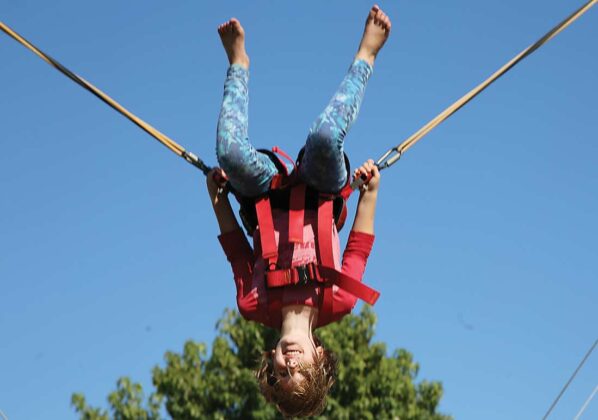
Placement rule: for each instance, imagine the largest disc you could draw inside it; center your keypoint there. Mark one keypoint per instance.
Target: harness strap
(324, 237)
(324, 247)
(327, 276)
(297, 213)
(292, 276)
(282, 153)
(346, 191)
(266, 225)
(351, 285)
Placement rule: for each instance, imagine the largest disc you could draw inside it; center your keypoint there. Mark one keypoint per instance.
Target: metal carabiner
(388, 159)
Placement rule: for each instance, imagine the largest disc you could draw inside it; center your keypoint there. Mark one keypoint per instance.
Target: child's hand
(216, 182)
(370, 171)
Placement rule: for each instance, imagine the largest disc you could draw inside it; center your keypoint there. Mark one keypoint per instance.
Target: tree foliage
(194, 385)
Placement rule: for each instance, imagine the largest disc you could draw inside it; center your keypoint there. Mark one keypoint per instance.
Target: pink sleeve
(355, 258)
(240, 255)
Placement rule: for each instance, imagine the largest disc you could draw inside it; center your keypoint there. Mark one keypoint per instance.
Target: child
(298, 373)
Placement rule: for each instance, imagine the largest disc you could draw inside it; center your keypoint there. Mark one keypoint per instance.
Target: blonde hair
(307, 398)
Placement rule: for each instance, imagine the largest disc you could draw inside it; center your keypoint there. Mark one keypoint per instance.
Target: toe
(374, 10)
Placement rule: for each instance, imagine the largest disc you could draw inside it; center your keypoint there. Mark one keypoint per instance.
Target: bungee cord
(558, 397)
(161, 137)
(395, 153)
(586, 403)
(385, 161)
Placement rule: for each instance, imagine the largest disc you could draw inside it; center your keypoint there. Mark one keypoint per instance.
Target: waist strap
(326, 276)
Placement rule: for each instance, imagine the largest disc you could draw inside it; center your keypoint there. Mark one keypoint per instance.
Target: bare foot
(375, 34)
(232, 36)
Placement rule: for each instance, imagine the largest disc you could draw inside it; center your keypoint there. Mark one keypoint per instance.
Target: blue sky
(486, 231)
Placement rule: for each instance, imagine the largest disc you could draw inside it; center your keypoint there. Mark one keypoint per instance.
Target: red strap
(327, 275)
(277, 181)
(303, 274)
(266, 224)
(325, 232)
(346, 191)
(351, 285)
(324, 240)
(296, 213)
(276, 149)
(280, 278)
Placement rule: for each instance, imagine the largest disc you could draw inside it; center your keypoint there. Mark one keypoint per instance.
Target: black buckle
(302, 274)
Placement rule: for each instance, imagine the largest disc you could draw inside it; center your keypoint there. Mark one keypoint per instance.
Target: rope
(558, 397)
(162, 138)
(387, 160)
(585, 404)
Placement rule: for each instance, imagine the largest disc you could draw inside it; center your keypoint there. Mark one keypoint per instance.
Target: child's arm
(361, 238)
(225, 215)
(366, 206)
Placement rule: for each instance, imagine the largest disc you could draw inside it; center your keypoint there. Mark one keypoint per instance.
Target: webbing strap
(266, 224)
(387, 160)
(351, 285)
(324, 243)
(269, 249)
(326, 276)
(291, 276)
(162, 138)
(324, 238)
(282, 153)
(297, 213)
(347, 190)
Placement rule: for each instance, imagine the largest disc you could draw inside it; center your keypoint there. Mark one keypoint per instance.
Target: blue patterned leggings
(323, 164)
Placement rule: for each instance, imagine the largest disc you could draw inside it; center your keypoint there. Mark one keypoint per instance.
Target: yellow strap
(162, 138)
(386, 160)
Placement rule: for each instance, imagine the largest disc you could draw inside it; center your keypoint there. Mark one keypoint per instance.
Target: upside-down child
(293, 278)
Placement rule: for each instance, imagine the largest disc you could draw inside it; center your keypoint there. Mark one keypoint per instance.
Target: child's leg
(248, 170)
(323, 164)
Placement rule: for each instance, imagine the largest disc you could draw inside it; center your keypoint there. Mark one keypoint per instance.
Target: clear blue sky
(486, 233)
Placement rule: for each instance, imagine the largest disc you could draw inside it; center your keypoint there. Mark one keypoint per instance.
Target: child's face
(290, 355)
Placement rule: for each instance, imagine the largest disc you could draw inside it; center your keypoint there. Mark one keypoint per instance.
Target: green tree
(193, 385)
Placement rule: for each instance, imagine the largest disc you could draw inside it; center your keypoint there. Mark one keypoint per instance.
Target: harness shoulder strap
(325, 257)
(267, 236)
(297, 213)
